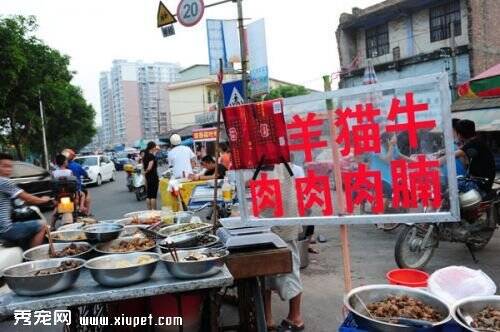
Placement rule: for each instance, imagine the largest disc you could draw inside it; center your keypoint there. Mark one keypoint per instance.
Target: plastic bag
(454, 283)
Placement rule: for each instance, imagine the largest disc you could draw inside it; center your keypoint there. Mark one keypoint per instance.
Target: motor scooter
(139, 183)
(65, 193)
(129, 169)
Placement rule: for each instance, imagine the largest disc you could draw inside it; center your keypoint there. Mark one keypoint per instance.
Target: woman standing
(151, 173)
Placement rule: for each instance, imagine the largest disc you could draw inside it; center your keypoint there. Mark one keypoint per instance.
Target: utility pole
(453, 46)
(244, 62)
(45, 150)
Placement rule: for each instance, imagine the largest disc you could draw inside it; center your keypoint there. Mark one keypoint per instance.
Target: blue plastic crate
(349, 325)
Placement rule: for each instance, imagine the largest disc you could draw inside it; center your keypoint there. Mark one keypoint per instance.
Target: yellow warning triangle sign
(164, 16)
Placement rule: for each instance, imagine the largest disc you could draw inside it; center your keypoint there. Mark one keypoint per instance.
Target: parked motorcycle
(480, 217)
(129, 169)
(139, 184)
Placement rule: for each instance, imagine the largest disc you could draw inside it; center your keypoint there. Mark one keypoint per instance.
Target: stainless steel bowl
(68, 236)
(106, 248)
(103, 272)
(374, 293)
(102, 232)
(177, 229)
(183, 217)
(194, 269)
(19, 280)
(132, 230)
(191, 244)
(42, 251)
(471, 306)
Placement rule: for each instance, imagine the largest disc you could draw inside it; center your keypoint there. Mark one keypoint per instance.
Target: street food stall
(414, 188)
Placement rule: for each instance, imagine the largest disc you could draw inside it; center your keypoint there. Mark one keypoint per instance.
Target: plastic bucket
(408, 277)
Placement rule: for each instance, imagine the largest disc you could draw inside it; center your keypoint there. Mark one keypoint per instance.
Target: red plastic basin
(408, 277)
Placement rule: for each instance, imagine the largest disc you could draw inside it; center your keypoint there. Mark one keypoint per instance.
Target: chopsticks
(172, 250)
(52, 251)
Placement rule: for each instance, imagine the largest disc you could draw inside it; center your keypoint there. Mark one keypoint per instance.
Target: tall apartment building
(406, 38)
(134, 101)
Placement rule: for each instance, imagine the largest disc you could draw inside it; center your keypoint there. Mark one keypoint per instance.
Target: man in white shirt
(180, 158)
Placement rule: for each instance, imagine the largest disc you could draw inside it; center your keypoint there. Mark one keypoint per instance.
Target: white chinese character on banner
(43, 317)
(62, 316)
(22, 315)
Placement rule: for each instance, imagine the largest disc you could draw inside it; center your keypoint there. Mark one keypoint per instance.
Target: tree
(285, 91)
(31, 70)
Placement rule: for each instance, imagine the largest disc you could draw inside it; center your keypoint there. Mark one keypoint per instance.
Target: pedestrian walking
(150, 165)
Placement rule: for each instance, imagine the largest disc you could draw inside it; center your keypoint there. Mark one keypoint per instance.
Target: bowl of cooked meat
(43, 277)
(102, 232)
(68, 236)
(480, 313)
(126, 245)
(70, 250)
(191, 264)
(396, 308)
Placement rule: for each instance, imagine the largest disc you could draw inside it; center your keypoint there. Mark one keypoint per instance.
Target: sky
(301, 45)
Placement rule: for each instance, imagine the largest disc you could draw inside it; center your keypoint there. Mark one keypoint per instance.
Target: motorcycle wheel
(140, 193)
(485, 236)
(408, 252)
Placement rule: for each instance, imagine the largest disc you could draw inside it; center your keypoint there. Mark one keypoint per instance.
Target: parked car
(120, 160)
(32, 179)
(99, 168)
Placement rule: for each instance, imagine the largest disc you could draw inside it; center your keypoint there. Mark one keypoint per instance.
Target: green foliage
(285, 91)
(30, 69)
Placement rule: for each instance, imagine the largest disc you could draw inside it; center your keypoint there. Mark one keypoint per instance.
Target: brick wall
(484, 34)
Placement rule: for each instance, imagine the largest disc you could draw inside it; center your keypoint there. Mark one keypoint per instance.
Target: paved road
(372, 255)
(112, 199)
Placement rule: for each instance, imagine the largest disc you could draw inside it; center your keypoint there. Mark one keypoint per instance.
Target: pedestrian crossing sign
(164, 16)
(233, 95)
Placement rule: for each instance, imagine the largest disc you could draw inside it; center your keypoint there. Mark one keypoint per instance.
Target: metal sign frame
(453, 215)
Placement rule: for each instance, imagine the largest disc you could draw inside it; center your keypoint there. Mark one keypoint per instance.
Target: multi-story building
(193, 98)
(406, 38)
(134, 100)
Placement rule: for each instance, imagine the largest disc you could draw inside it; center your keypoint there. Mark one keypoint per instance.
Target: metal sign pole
(339, 188)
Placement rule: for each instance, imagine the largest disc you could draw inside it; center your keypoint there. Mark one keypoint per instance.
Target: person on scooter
(62, 167)
(79, 173)
(28, 233)
(477, 154)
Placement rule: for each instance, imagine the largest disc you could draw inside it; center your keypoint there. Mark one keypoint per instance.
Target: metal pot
(471, 306)
(374, 293)
(19, 280)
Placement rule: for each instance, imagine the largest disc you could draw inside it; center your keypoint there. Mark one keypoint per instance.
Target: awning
(485, 119)
(484, 85)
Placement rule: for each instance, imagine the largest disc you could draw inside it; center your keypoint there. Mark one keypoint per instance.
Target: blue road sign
(233, 93)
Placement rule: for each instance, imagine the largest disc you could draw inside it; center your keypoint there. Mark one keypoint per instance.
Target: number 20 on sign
(190, 12)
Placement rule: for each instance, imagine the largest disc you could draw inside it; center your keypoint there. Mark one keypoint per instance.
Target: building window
(377, 41)
(441, 18)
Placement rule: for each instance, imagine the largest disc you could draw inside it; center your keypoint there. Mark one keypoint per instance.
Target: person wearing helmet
(180, 158)
(79, 173)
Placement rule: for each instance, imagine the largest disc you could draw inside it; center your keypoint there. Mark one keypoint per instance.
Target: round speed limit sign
(190, 12)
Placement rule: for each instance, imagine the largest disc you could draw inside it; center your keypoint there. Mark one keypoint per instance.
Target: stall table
(168, 200)
(86, 291)
(246, 268)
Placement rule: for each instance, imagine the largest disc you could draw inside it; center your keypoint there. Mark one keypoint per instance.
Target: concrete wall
(410, 32)
(131, 112)
(423, 68)
(185, 103)
(484, 33)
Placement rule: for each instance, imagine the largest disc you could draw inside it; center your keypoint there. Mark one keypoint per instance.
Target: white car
(99, 168)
